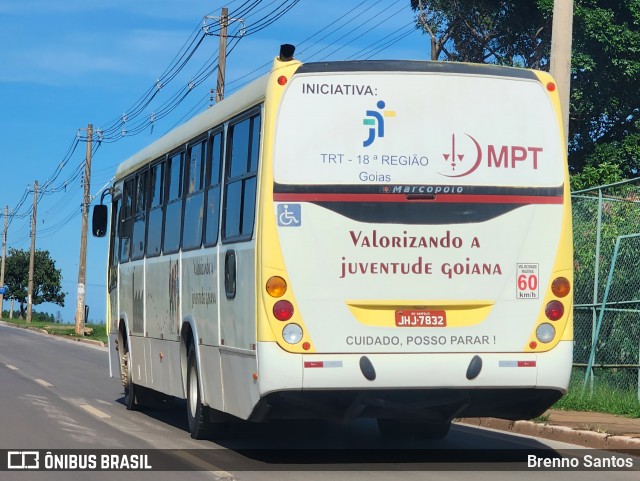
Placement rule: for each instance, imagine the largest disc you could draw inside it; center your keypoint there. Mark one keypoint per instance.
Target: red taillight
(554, 310)
(533, 344)
(551, 86)
(282, 80)
(283, 310)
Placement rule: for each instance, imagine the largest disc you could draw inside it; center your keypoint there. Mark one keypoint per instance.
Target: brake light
(283, 310)
(554, 310)
(282, 80)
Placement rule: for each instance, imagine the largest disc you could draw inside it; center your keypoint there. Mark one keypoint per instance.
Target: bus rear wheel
(394, 429)
(125, 373)
(198, 415)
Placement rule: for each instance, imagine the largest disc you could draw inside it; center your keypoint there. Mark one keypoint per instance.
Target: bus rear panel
(418, 216)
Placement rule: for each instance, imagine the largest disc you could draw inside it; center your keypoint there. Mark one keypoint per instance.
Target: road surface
(56, 394)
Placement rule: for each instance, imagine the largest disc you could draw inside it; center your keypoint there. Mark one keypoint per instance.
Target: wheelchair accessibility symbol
(289, 215)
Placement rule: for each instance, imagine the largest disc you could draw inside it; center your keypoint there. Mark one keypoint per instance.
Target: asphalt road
(57, 394)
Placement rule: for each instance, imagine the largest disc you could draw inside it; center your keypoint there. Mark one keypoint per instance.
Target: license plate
(421, 319)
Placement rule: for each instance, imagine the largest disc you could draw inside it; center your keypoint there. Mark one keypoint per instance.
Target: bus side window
(214, 169)
(114, 250)
(194, 197)
(173, 213)
(156, 211)
(139, 222)
(241, 182)
(126, 230)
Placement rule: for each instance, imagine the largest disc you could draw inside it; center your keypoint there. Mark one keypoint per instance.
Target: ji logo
(375, 120)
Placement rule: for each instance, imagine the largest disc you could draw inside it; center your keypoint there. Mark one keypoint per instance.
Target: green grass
(67, 330)
(613, 392)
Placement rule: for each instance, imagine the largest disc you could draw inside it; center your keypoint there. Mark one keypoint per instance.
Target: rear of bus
(415, 255)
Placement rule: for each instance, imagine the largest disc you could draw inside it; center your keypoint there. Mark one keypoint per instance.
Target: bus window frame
(181, 150)
(140, 213)
(204, 140)
(126, 216)
(114, 243)
(208, 186)
(247, 174)
(162, 162)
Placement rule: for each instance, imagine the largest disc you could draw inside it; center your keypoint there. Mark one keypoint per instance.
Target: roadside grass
(99, 332)
(613, 392)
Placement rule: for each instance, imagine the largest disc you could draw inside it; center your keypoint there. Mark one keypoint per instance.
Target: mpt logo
(462, 162)
(375, 120)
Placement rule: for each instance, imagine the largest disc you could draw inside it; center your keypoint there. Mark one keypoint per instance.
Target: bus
(352, 239)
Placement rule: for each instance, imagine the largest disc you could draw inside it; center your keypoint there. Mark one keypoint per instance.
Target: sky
(67, 63)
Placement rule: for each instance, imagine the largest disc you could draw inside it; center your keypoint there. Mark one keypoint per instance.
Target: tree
(487, 31)
(604, 120)
(46, 278)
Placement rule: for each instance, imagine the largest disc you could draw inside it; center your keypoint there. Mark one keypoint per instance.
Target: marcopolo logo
(375, 121)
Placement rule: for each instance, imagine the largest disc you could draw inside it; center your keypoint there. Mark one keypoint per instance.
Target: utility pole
(560, 60)
(4, 256)
(82, 263)
(222, 54)
(224, 21)
(32, 254)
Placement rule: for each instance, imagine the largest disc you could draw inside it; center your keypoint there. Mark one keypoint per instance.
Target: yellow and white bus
(381, 239)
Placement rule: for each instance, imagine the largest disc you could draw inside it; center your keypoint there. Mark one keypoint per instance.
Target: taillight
(560, 287)
(292, 333)
(276, 286)
(283, 310)
(554, 310)
(545, 333)
(282, 80)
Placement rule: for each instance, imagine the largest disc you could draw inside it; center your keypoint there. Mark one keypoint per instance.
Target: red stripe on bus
(446, 198)
(313, 364)
(526, 363)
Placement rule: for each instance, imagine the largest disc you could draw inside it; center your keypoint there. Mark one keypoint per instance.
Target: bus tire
(394, 429)
(125, 375)
(200, 425)
(129, 389)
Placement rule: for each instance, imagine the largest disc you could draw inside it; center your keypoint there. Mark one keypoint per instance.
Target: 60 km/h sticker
(527, 281)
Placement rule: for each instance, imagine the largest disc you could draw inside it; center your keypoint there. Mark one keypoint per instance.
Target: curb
(44, 331)
(587, 439)
(69, 338)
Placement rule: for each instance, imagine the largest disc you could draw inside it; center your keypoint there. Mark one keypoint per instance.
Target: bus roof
(241, 100)
(253, 93)
(418, 66)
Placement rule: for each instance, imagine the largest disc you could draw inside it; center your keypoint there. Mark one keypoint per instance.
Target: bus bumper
(429, 386)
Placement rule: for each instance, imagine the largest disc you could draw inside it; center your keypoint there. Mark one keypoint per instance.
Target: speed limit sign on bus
(527, 281)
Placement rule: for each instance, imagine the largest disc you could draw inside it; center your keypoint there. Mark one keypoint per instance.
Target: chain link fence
(606, 228)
